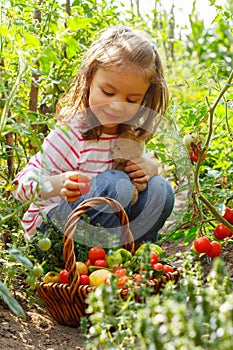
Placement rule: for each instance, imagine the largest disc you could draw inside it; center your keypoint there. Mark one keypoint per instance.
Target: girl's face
(115, 96)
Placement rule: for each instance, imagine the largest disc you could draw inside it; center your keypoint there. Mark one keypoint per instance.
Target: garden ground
(41, 332)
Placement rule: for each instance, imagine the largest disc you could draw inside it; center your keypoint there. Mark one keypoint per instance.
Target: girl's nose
(117, 106)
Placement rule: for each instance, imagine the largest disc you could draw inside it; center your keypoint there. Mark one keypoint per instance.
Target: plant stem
(197, 190)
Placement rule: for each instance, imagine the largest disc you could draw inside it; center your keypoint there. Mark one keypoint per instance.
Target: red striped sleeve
(24, 192)
(60, 153)
(68, 145)
(91, 149)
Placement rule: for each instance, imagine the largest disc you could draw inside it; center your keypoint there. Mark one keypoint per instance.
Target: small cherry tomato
(215, 250)
(84, 279)
(228, 215)
(158, 266)
(194, 156)
(31, 280)
(120, 271)
(37, 271)
(122, 281)
(63, 276)
(44, 244)
(84, 188)
(202, 244)
(221, 232)
(100, 263)
(168, 268)
(154, 258)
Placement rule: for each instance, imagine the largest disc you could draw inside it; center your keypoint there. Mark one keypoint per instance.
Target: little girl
(120, 87)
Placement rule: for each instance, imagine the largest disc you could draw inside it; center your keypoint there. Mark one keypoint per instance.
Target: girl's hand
(140, 170)
(74, 185)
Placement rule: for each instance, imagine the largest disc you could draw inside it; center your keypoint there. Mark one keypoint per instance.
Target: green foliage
(10, 301)
(193, 316)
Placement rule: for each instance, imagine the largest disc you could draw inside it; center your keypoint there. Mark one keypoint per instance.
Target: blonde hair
(130, 49)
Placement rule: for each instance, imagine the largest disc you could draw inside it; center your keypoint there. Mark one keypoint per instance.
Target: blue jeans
(147, 216)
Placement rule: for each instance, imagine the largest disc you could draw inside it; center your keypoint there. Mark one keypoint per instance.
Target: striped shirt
(64, 149)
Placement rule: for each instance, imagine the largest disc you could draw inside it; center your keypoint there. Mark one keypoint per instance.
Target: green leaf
(20, 257)
(10, 301)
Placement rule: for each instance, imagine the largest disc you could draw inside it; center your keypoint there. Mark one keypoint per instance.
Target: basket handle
(127, 240)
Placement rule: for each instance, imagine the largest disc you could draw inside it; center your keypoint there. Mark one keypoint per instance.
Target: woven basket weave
(67, 303)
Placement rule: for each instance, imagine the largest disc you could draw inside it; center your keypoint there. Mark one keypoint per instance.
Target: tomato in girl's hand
(63, 276)
(85, 186)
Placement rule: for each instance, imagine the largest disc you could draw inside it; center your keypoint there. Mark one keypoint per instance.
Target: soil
(40, 332)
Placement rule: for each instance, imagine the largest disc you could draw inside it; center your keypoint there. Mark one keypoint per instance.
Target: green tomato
(37, 271)
(31, 280)
(44, 244)
(11, 272)
(113, 259)
(125, 254)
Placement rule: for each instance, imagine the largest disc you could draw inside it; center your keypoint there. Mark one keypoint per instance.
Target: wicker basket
(67, 303)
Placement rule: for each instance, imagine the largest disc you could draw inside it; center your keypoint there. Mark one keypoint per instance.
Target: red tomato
(122, 281)
(100, 262)
(120, 271)
(215, 249)
(221, 232)
(85, 186)
(63, 276)
(228, 215)
(168, 268)
(202, 244)
(96, 253)
(84, 279)
(194, 156)
(158, 266)
(154, 258)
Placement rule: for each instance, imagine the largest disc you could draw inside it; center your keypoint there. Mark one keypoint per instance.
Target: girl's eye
(131, 101)
(107, 93)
